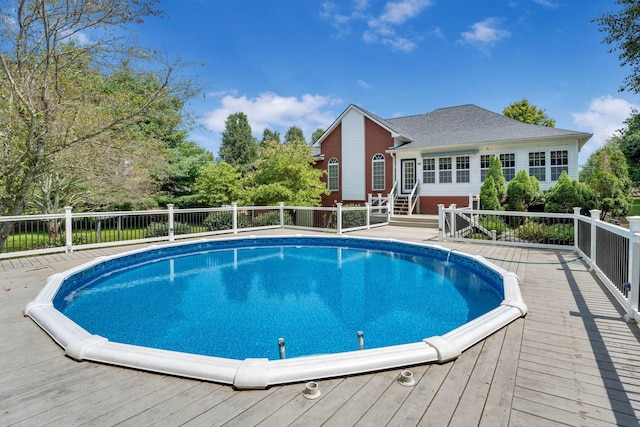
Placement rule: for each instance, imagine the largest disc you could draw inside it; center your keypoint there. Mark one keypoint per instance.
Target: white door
(408, 172)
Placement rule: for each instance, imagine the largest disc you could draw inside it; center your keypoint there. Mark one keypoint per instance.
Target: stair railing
(414, 197)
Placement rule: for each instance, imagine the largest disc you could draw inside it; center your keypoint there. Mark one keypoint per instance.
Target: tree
(526, 112)
(497, 182)
(219, 184)
(567, 194)
(522, 192)
(623, 33)
(187, 159)
(316, 135)
(628, 141)
(610, 181)
(489, 195)
(294, 134)
(239, 147)
(269, 135)
(285, 173)
(54, 59)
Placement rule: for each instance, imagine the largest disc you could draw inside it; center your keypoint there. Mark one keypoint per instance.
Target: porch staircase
(401, 205)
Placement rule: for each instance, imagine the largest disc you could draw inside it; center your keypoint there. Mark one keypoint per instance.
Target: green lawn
(635, 207)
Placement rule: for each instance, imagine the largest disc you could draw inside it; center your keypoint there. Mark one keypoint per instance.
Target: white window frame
(559, 160)
(485, 162)
(378, 175)
(538, 165)
(463, 174)
(429, 170)
(333, 174)
(445, 174)
(508, 170)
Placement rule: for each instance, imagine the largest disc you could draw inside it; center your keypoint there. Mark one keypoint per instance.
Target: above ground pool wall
(255, 373)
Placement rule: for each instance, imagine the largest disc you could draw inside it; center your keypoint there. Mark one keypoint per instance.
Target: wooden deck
(571, 361)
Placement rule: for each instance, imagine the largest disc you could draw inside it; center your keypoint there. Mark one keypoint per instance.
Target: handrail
(413, 197)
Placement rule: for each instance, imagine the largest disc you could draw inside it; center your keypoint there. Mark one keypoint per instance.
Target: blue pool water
(235, 298)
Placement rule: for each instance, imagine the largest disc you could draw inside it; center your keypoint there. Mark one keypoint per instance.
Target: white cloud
(363, 84)
(605, 116)
(547, 3)
(382, 27)
(485, 33)
(276, 112)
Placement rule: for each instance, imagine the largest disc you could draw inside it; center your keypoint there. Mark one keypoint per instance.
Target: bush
(540, 233)
(354, 218)
(161, 229)
(265, 219)
(492, 222)
(218, 221)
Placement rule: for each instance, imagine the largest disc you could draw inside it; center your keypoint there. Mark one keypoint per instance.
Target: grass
(635, 207)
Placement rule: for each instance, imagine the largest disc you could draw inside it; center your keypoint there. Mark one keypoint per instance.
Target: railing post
(576, 224)
(452, 223)
(234, 207)
(339, 218)
(370, 196)
(368, 206)
(281, 214)
(390, 203)
(634, 269)
(171, 223)
(595, 216)
(441, 222)
(471, 201)
(68, 229)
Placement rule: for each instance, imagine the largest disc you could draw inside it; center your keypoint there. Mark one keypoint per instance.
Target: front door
(408, 172)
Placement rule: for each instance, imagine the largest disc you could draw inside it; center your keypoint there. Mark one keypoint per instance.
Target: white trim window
(508, 166)
(445, 167)
(333, 175)
(463, 169)
(429, 171)
(377, 172)
(485, 162)
(559, 162)
(538, 165)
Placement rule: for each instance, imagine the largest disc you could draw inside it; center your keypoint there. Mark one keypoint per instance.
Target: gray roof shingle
(469, 124)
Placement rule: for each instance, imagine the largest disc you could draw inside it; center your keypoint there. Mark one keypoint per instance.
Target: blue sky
(302, 62)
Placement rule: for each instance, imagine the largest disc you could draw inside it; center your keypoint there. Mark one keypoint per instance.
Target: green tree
(497, 181)
(186, 159)
(522, 192)
(610, 181)
(316, 135)
(526, 112)
(489, 195)
(239, 147)
(623, 33)
(52, 86)
(294, 134)
(628, 141)
(285, 173)
(269, 135)
(567, 194)
(219, 184)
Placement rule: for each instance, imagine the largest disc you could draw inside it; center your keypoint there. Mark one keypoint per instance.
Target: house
(440, 158)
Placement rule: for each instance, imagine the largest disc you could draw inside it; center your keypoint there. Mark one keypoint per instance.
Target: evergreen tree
(489, 195)
(628, 141)
(294, 134)
(239, 147)
(269, 135)
(316, 135)
(610, 181)
(522, 192)
(495, 172)
(567, 194)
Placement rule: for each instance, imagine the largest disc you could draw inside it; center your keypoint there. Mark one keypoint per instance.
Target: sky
(302, 62)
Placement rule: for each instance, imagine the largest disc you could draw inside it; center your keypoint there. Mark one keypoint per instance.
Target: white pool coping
(255, 373)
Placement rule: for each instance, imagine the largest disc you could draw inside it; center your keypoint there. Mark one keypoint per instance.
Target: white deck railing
(41, 234)
(613, 252)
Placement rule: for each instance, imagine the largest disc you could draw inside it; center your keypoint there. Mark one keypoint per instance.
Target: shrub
(489, 198)
(492, 222)
(522, 192)
(265, 219)
(541, 233)
(218, 221)
(354, 218)
(161, 229)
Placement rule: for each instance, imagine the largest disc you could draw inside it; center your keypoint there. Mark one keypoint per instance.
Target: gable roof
(462, 125)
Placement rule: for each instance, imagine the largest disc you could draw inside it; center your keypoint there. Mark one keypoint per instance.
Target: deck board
(571, 361)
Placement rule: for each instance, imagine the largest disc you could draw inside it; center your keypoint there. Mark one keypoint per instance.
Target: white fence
(613, 252)
(41, 234)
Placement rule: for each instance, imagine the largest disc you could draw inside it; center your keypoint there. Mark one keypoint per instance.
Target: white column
(171, 223)
(68, 229)
(634, 267)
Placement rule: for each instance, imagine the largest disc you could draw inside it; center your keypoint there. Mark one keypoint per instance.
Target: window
(462, 169)
(429, 171)
(444, 168)
(559, 163)
(485, 161)
(537, 165)
(508, 166)
(334, 176)
(378, 172)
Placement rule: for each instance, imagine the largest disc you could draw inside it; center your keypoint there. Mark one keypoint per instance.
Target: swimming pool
(316, 291)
